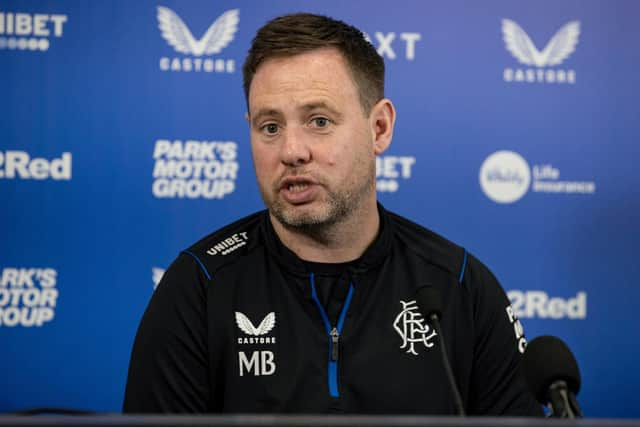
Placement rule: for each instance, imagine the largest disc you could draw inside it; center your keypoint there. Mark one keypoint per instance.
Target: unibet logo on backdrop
(557, 50)
(505, 177)
(28, 296)
(199, 51)
(194, 169)
(390, 169)
(26, 31)
(20, 165)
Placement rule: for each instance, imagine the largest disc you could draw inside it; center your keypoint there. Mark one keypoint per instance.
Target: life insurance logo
(28, 296)
(30, 31)
(194, 169)
(20, 165)
(391, 171)
(197, 53)
(505, 177)
(539, 63)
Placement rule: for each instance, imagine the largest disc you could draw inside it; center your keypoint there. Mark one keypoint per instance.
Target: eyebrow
(306, 108)
(265, 112)
(322, 105)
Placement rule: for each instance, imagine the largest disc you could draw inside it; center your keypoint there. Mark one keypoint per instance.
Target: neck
(344, 241)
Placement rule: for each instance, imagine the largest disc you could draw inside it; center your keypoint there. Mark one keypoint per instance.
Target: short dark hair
(291, 35)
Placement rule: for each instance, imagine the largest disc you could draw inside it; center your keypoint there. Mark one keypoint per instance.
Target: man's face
(312, 144)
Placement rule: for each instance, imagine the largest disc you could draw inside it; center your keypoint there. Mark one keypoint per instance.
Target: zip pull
(335, 337)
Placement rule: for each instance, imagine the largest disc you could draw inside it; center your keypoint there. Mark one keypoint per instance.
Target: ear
(247, 118)
(381, 120)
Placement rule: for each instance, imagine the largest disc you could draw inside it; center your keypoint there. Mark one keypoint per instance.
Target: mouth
(298, 190)
(296, 183)
(297, 187)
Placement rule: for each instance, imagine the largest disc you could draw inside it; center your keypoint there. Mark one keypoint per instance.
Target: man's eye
(270, 129)
(321, 122)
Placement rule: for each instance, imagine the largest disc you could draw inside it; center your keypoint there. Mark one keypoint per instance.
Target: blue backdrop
(123, 140)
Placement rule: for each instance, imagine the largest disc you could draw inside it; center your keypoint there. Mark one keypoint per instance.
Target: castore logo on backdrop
(215, 39)
(557, 50)
(28, 296)
(26, 31)
(505, 177)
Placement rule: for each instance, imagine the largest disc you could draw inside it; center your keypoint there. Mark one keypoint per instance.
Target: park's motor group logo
(505, 177)
(30, 31)
(538, 62)
(194, 169)
(197, 52)
(28, 296)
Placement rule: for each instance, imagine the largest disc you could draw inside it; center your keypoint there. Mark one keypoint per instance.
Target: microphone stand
(563, 402)
(457, 400)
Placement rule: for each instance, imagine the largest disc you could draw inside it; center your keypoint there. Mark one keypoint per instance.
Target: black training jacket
(236, 326)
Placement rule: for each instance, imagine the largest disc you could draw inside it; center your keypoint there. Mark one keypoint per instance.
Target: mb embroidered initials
(411, 327)
(260, 362)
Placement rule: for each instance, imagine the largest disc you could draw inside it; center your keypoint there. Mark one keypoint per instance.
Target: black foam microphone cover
(546, 360)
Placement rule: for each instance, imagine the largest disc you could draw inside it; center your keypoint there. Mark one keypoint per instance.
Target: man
(309, 306)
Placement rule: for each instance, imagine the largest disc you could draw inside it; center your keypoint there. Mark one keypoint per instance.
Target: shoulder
(228, 244)
(444, 254)
(428, 245)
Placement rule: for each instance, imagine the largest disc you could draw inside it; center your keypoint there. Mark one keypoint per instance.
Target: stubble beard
(337, 207)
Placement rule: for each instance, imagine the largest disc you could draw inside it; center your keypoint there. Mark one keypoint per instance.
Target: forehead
(294, 80)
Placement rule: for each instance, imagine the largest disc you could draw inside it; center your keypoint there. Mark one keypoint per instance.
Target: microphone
(551, 371)
(430, 303)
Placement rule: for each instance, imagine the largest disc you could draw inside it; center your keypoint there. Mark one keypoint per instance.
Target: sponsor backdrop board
(122, 142)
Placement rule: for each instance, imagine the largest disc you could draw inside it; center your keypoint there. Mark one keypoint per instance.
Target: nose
(295, 150)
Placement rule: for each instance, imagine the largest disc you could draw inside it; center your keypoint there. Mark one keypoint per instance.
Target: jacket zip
(333, 334)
